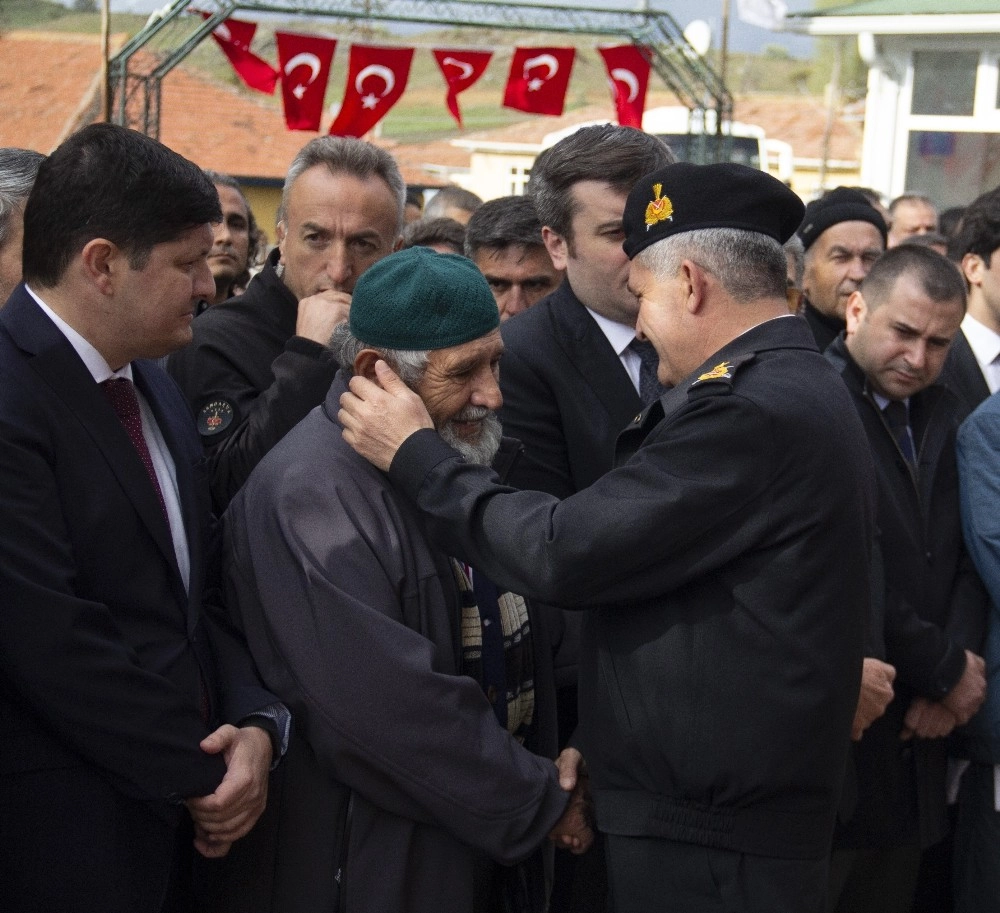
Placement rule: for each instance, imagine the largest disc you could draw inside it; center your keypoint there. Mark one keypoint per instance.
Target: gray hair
(796, 249)
(454, 197)
(749, 265)
(347, 155)
(409, 364)
(18, 168)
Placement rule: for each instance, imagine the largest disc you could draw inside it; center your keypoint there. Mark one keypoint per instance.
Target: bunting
(304, 62)
(628, 72)
(538, 80)
(460, 69)
(376, 78)
(234, 37)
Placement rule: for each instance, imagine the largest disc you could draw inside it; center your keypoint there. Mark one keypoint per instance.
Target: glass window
(944, 82)
(953, 168)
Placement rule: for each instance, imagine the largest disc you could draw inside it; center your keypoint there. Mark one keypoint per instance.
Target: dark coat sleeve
(614, 541)
(345, 624)
(270, 381)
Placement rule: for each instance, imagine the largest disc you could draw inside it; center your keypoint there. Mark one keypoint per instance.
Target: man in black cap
(843, 235)
(423, 696)
(721, 663)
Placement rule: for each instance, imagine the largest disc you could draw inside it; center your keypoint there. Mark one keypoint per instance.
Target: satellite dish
(698, 34)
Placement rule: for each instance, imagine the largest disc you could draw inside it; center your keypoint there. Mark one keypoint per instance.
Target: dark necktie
(121, 394)
(650, 388)
(897, 416)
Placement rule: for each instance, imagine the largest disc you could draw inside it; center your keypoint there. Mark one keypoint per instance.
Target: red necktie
(121, 394)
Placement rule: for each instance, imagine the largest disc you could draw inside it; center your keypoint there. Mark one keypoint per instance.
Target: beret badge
(659, 208)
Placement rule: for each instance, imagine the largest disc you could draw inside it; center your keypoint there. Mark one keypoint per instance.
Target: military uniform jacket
(353, 617)
(249, 379)
(723, 656)
(935, 609)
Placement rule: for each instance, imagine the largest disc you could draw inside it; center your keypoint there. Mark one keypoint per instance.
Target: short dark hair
(258, 242)
(503, 222)
(110, 182)
(615, 155)
(18, 168)
(980, 229)
(950, 221)
(936, 274)
(425, 232)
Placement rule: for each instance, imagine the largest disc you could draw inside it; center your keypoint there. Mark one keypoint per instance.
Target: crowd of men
(627, 545)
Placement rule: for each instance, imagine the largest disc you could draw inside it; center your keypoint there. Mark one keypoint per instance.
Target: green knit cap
(419, 300)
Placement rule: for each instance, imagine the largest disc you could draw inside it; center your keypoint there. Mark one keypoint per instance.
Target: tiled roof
(49, 84)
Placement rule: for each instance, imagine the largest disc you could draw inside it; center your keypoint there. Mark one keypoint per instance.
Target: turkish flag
(234, 37)
(460, 70)
(304, 61)
(628, 73)
(538, 79)
(376, 78)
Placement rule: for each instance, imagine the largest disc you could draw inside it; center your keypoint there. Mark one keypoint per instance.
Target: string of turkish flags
(376, 77)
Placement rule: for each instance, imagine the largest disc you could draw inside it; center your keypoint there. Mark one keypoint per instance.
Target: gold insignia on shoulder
(720, 370)
(659, 208)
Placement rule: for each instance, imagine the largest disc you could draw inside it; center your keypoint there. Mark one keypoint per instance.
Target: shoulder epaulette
(720, 378)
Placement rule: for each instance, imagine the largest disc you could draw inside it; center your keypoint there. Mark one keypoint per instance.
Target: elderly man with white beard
(420, 776)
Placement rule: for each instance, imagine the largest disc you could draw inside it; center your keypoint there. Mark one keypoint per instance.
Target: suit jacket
(106, 661)
(935, 609)
(962, 375)
(566, 395)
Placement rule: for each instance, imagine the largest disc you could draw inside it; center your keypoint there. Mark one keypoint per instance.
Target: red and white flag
(305, 70)
(234, 37)
(460, 70)
(376, 78)
(538, 80)
(628, 72)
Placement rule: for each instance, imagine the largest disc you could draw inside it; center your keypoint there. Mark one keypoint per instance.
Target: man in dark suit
(571, 371)
(899, 325)
(117, 690)
(972, 370)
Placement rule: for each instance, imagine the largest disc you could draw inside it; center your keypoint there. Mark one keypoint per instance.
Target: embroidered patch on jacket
(659, 209)
(215, 417)
(721, 370)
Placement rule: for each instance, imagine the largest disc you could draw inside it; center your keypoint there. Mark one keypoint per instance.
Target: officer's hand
(928, 720)
(320, 313)
(876, 693)
(378, 417)
(970, 691)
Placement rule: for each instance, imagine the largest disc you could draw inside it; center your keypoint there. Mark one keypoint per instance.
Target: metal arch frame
(135, 92)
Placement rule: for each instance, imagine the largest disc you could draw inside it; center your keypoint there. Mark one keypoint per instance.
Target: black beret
(686, 197)
(839, 205)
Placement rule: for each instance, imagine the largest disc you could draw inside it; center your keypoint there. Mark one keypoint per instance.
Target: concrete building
(932, 119)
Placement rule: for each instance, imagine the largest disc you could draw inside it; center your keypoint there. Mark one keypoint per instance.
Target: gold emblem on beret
(659, 208)
(720, 370)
